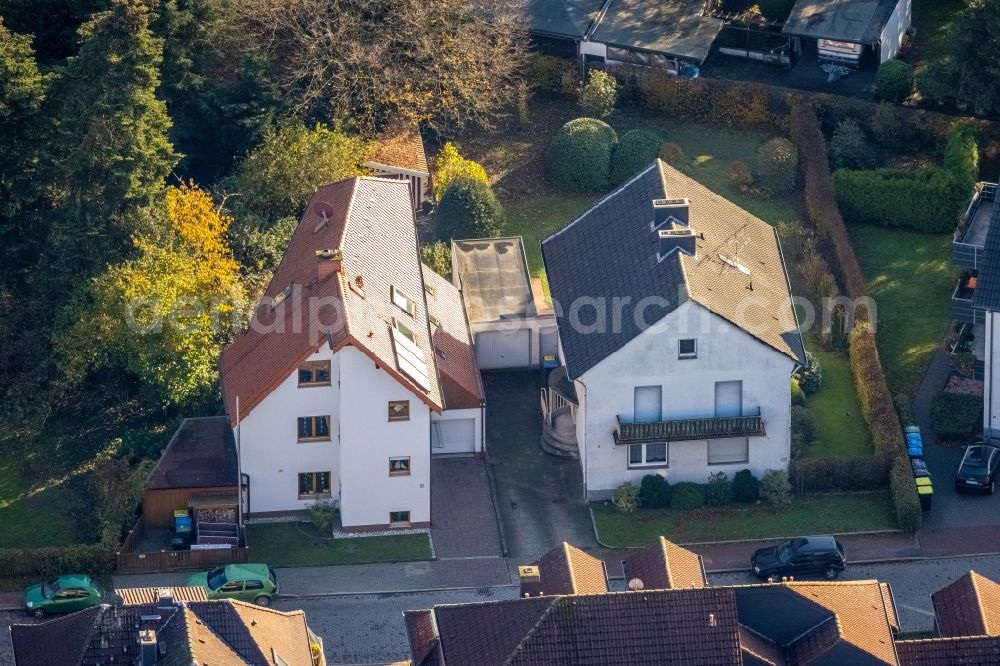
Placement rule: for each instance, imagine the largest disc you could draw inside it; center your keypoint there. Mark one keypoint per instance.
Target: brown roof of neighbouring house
(962, 651)
(609, 253)
(371, 221)
(139, 596)
(400, 146)
(968, 607)
(664, 565)
(422, 637)
(203, 632)
(461, 383)
(566, 569)
(201, 454)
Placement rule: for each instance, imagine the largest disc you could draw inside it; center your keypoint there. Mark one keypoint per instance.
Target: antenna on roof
(738, 239)
(325, 210)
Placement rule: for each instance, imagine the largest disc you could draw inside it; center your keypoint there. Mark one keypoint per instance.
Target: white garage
(454, 435)
(503, 349)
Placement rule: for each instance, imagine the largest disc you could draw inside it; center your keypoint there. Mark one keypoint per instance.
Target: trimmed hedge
(893, 81)
(42, 562)
(955, 415)
(903, 489)
(636, 150)
(961, 153)
(928, 200)
(815, 475)
(580, 155)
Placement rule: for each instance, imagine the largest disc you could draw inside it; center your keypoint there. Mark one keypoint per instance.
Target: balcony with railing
(748, 424)
(970, 236)
(963, 301)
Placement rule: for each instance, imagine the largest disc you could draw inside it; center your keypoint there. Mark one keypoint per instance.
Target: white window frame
(686, 355)
(645, 453)
(403, 302)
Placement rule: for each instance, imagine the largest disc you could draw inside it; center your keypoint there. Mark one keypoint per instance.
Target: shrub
(469, 209)
(719, 490)
(775, 487)
(739, 176)
(437, 256)
(856, 473)
(687, 495)
(322, 513)
(905, 501)
(893, 81)
(654, 492)
(804, 424)
(636, 150)
(815, 272)
(811, 374)
(794, 238)
(961, 153)
(626, 498)
(776, 10)
(597, 95)
(798, 395)
(580, 155)
(904, 407)
(887, 127)
(545, 72)
(449, 166)
(954, 415)
(934, 83)
(849, 148)
(671, 153)
(777, 165)
(746, 487)
(44, 562)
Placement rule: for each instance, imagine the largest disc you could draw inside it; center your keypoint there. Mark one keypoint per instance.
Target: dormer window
(403, 302)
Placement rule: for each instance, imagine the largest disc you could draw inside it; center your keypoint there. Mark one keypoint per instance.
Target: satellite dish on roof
(323, 208)
(636, 584)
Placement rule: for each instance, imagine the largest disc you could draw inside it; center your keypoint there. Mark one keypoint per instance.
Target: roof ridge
(666, 561)
(534, 629)
(569, 564)
(268, 609)
(974, 578)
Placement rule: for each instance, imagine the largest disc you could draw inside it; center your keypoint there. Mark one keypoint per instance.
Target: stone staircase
(559, 434)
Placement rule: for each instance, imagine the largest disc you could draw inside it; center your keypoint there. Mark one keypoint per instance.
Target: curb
(320, 595)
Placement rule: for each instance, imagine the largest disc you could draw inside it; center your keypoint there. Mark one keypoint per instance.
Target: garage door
(453, 436)
(503, 349)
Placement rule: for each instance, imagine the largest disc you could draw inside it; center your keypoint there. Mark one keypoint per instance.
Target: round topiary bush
(849, 147)
(468, 209)
(687, 495)
(893, 81)
(635, 151)
(671, 153)
(746, 487)
(778, 165)
(654, 492)
(580, 155)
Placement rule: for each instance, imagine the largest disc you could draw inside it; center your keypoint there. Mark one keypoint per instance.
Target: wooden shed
(197, 471)
(399, 153)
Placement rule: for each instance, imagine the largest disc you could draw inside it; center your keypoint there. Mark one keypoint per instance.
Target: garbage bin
(925, 491)
(919, 467)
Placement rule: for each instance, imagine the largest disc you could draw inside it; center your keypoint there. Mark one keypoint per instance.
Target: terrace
(970, 236)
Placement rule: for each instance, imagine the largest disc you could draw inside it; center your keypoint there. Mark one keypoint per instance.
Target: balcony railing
(963, 306)
(678, 430)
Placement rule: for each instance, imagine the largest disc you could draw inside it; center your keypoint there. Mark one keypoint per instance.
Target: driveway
(463, 522)
(540, 497)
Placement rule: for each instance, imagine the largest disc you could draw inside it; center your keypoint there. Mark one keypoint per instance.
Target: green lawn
(290, 545)
(29, 519)
(811, 514)
(910, 276)
(841, 430)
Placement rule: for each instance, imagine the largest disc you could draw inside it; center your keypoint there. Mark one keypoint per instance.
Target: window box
(314, 373)
(399, 410)
(652, 454)
(399, 466)
(314, 429)
(313, 485)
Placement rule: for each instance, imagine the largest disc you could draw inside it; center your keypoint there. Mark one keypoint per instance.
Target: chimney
(328, 262)
(148, 648)
(165, 596)
(531, 581)
(677, 239)
(678, 209)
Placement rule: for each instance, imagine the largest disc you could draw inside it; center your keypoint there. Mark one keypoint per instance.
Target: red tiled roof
(968, 607)
(371, 221)
(568, 570)
(486, 634)
(664, 565)
(963, 651)
(400, 146)
(422, 635)
(460, 380)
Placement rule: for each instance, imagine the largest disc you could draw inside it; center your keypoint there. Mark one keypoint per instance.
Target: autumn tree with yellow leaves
(164, 316)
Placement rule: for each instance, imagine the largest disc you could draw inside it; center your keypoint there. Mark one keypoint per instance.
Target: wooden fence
(128, 560)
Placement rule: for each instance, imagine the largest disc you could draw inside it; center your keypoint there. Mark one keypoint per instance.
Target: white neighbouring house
(677, 337)
(356, 369)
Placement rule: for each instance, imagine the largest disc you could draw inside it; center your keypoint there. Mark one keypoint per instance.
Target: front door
(648, 403)
(728, 399)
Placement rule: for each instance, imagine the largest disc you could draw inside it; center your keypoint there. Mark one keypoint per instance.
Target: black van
(803, 557)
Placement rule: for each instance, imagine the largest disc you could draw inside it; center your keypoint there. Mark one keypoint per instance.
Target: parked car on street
(800, 558)
(65, 594)
(256, 583)
(978, 469)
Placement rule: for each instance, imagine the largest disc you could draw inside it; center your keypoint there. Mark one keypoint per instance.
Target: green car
(247, 582)
(65, 594)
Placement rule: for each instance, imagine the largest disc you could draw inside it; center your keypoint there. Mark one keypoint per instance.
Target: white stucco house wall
(356, 369)
(677, 337)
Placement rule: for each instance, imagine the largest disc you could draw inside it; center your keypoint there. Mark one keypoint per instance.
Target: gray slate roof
(858, 21)
(611, 252)
(671, 27)
(563, 18)
(988, 288)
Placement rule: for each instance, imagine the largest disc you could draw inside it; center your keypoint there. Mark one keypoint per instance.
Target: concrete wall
(725, 353)
(891, 38)
(991, 378)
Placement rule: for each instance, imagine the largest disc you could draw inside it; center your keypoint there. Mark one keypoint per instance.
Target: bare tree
(447, 62)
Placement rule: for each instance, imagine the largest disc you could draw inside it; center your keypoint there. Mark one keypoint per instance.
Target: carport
(511, 326)
(845, 31)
